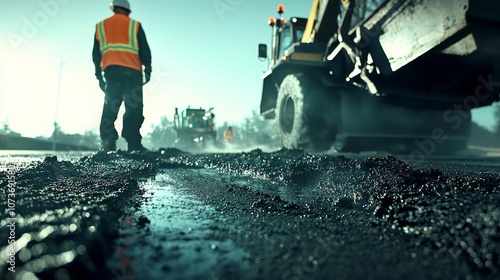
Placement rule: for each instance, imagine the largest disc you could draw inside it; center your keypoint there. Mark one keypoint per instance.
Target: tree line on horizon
(253, 131)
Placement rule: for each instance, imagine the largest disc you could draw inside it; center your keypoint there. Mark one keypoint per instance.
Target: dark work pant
(123, 85)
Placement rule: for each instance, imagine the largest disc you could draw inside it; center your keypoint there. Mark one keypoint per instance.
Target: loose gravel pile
(296, 215)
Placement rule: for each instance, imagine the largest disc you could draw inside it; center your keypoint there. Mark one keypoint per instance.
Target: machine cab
(285, 35)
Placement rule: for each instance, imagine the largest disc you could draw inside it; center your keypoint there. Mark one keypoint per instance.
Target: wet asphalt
(250, 215)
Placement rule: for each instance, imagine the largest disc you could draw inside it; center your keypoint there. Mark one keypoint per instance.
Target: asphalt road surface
(249, 215)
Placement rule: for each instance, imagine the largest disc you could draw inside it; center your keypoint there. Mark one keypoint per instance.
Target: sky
(204, 55)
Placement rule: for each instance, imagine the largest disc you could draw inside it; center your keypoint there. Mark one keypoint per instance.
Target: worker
(120, 51)
(229, 134)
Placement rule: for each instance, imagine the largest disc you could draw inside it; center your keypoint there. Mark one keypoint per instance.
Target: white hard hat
(120, 3)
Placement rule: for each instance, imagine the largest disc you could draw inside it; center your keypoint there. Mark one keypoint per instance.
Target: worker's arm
(96, 58)
(144, 51)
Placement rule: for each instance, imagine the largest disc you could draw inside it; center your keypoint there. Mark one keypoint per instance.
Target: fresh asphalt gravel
(251, 215)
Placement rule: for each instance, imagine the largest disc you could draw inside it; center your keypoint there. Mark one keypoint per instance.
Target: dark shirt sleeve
(144, 51)
(96, 58)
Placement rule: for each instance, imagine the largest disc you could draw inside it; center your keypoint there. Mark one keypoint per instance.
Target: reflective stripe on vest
(131, 47)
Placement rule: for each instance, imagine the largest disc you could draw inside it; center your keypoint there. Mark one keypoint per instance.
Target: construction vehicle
(396, 75)
(195, 128)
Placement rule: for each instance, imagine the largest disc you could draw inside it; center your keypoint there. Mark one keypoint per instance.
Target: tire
(306, 117)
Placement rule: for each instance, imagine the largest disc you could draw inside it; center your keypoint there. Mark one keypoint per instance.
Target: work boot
(108, 145)
(136, 146)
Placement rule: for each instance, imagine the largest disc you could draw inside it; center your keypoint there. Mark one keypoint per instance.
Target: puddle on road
(297, 194)
(177, 239)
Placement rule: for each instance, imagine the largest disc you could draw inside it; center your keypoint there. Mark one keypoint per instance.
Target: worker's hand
(147, 78)
(102, 85)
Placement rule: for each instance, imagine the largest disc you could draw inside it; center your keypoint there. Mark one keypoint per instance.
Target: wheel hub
(287, 115)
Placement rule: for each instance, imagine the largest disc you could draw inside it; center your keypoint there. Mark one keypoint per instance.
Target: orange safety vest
(229, 135)
(118, 43)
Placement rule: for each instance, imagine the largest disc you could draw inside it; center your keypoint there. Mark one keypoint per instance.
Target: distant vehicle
(394, 75)
(195, 128)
